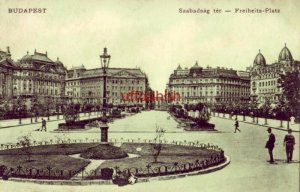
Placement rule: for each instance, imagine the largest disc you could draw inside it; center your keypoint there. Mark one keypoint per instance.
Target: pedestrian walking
(270, 145)
(236, 124)
(43, 125)
(289, 142)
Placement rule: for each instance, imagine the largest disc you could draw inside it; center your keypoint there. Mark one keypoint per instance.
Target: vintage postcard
(140, 95)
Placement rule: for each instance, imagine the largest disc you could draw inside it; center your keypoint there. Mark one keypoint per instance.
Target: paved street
(248, 170)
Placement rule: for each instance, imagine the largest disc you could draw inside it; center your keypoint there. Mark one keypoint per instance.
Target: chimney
(8, 51)
(46, 53)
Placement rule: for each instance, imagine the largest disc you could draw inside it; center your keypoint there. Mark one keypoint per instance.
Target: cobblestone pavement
(248, 170)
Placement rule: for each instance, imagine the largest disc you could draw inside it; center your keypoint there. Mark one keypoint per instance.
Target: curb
(109, 182)
(33, 123)
(278, 128)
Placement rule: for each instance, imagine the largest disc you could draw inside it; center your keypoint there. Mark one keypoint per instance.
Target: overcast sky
(152, 35)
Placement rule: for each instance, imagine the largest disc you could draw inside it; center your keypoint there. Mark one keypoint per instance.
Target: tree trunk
(155, 158)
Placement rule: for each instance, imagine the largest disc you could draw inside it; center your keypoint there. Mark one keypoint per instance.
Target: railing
(46, 173)
(217, 157)
(114, 141)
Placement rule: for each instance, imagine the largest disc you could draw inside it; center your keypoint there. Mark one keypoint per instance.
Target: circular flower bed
(53, 161)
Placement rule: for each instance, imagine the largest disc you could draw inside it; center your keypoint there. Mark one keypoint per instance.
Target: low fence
(113, 141)
(153, 171)
(216, 157)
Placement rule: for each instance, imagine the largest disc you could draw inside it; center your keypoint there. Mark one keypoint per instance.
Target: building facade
(33, 78)
(86, 85)
(6, 74)
(265, 78)
(210, 85)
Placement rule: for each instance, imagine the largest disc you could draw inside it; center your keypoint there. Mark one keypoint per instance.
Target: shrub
(106, 173)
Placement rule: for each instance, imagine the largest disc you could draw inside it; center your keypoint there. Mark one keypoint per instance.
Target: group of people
(288, 143)
(123, 178)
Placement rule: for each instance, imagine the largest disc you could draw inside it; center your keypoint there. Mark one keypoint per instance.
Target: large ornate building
(265, 78)
(210, 85)
(86, 85)
(37, 75)
(33, 77)
(6, 74)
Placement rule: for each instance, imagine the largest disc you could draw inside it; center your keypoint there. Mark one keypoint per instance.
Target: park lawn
(167, 150)
(169, 155)
(41, 162)
(56, 157)
(56, 149)
(143, 161)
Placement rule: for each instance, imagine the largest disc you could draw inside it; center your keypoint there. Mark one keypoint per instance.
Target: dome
(58, 62)
(285, 55)
(259, 60)
(196, 69)
(26, 58)
(196, 66)
(179, 67)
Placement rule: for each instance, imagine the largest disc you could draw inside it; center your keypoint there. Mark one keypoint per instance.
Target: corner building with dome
(35, 79)
(212, 86)
(265, 78)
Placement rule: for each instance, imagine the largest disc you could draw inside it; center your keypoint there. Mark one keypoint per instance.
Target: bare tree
(157, 145)
(25, 142)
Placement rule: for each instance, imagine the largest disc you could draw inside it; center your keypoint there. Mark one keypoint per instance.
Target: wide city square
(245, 149)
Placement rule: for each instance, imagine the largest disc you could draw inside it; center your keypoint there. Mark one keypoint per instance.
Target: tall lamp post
(104, 58)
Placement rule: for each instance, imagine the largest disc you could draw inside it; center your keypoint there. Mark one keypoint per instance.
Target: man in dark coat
(289, 142)
(270, 144)
(43, 125)
(236, 125)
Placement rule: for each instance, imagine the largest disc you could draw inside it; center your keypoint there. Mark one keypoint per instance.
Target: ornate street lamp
(104, 58)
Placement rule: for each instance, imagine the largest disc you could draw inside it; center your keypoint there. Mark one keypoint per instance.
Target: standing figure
(236, 124)
(43, 125)
(270, 144)
(289, 142)
(292, 120)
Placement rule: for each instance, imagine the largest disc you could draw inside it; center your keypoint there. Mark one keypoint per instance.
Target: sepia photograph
(140, 95)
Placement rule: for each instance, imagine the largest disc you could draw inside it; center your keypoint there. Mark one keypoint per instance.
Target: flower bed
(53, 162)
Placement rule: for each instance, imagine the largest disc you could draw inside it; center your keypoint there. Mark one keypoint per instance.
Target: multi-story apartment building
(210, 85)
(86, 85)
(33, 76)
(265, 78)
